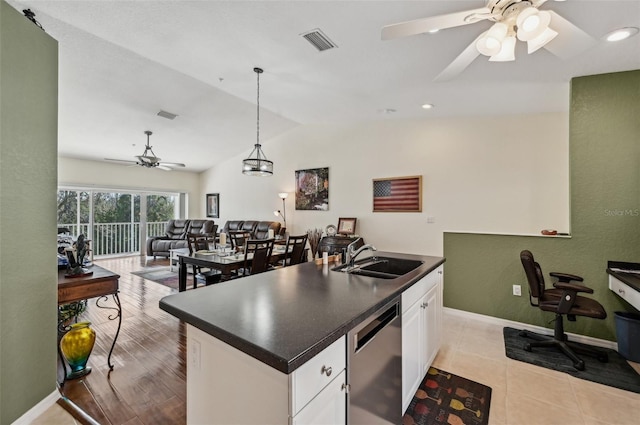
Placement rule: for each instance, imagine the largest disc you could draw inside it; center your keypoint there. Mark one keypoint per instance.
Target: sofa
(175, 236)
(257, 229)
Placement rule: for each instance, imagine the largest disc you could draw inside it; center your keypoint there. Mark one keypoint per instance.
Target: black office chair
(561, 300)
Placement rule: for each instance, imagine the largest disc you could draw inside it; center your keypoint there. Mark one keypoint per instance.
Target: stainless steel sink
(380, 267)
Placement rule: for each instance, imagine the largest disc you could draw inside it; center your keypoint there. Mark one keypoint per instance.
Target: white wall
(506, 174)
(79, 172)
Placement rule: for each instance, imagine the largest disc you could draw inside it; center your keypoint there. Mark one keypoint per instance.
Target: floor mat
(445, 398)
(163, 276)
(615, 373)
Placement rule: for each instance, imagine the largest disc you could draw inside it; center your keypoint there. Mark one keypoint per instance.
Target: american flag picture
(398, 194)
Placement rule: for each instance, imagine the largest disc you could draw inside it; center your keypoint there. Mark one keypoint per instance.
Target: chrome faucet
(352, 253)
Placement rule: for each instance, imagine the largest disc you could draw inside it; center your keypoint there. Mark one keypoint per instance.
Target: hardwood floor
(148, 382)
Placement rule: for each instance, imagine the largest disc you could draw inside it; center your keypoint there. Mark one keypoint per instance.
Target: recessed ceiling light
(433, 31)
(427, 106)
(621, 34)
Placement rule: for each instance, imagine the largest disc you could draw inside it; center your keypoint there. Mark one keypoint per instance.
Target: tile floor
(522, 394)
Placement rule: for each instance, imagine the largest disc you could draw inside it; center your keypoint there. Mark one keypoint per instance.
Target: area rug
(445, 398)
(615, 373)
(161, 275)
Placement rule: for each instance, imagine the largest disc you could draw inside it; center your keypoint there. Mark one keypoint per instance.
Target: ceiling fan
(513, 19)
(149, 159)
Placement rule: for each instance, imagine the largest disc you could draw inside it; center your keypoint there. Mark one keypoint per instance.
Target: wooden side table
(100, 285)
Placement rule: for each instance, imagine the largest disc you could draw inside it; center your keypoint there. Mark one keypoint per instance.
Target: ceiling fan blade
(421, 26)
(460, 63)
(571, 40)
(123, 161)
(171, 164)
(162, 167)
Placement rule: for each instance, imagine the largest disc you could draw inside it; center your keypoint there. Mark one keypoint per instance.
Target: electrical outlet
(517, 290)
(195, 354)
(431, 219)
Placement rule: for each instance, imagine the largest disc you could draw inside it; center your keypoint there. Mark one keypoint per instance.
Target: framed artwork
(312, 189)
(346, 226)
(213, 205)
(397, 194)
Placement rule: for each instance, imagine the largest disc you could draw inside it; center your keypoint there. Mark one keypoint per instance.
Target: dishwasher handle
(369, 331)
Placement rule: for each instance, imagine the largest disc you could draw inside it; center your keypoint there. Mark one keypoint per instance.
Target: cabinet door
(411, 353)
(328, 407)
(431, 323)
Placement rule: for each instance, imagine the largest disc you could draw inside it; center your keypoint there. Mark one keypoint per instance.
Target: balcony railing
(115, 238)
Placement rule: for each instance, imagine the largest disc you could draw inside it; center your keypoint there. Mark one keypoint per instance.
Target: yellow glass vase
(76, 346)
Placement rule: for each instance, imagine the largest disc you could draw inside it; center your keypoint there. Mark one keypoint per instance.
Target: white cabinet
(245, 390)
(328, 407)
(421, 331)
(318, 388)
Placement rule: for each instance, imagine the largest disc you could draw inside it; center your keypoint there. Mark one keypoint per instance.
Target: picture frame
(397, 194)
(347, 226)
(312, 189)
(213, 205)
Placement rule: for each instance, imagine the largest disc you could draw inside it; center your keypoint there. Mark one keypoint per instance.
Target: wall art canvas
(397, 194)
(213, 205)
(312, 189)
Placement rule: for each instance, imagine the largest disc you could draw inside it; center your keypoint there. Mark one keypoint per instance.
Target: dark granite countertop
(628, 273)
(285, 317)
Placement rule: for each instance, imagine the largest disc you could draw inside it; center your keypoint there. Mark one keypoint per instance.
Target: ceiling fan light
(541, 40)
(532, 23)
(507, 52)
(491, 42)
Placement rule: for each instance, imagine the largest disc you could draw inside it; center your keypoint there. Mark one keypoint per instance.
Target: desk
(225, 264)
(100, 284)
(624, 281)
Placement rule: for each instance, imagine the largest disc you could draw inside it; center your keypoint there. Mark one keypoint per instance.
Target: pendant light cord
(258, 71)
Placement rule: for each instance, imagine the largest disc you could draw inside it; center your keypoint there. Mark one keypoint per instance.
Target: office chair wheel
(527, 347)
(579, 365)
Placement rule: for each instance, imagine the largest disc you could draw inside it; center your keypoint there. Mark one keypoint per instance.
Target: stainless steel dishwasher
(374, 364)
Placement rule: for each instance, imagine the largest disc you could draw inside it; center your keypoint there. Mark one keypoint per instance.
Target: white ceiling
(123, 61)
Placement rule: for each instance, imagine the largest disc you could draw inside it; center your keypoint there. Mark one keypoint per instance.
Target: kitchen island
(251, 341)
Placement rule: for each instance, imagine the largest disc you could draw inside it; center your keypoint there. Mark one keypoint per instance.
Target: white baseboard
(37, 410)
(533, 328)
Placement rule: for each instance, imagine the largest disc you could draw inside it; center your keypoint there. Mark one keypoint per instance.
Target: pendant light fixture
(257, 163)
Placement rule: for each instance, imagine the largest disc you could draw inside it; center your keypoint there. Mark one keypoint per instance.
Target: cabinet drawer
(625, 292)
(414, 293)
(317, 373)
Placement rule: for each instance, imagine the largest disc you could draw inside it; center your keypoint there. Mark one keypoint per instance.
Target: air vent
(167, 115)
(319, 40)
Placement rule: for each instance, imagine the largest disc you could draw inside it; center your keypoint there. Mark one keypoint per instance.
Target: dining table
(225, 260)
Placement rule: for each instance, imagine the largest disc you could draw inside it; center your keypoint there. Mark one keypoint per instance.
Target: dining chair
(294, 250)
(238, 238)
(199, 242)
(257, 254)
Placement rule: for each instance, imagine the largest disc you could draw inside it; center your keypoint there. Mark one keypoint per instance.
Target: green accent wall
(28, 182)
(604, 152)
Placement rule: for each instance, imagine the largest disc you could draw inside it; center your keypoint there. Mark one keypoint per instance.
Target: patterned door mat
(445, 398)
(615, 373)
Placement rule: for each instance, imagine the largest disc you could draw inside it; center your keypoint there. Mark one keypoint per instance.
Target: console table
(100, 285)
